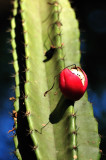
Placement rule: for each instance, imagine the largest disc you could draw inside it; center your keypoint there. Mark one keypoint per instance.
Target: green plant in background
(45, 39)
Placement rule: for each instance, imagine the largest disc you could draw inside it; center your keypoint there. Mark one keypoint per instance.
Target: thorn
(25, 44)
(13, 75)
(12, 2)
(75, 147)
(82, 31)
(14, 114)
(24, 32)
(62, 44)
(26, 57)
(23, 21)
(12, 62)
(9, 41)
(55, 93)
(13, 87)
(102, 136)
(74, 132)
(74, 114)
(27, 114)
(10, 18)
(12, 99)
(29, 132)
(11, 51)
(12, 10)
(34, 147)
(26, 70)
(62, 58)
(13, 152)
(12, 130)
(59, 24)
(21, 11)
(24, 96)
(8, 30)
(27, 81)
(83, 52)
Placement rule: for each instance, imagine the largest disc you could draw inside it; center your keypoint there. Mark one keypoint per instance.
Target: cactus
(39, 27)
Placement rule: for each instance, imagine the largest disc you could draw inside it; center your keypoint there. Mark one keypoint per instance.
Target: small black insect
(49, 54)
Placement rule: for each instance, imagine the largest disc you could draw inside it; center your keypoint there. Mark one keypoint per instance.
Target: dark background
(92, 24)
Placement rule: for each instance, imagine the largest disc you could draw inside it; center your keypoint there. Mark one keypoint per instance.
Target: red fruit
(73, 83)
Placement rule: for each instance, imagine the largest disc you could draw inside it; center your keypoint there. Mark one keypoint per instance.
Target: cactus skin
(43, 25)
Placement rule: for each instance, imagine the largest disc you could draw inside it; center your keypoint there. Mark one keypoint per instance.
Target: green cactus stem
(40, 28)
(16, 68)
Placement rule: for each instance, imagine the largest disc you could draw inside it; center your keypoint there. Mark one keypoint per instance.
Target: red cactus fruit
(73, 83)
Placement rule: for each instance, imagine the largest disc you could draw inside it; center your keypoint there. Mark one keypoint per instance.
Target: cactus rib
(16, 68)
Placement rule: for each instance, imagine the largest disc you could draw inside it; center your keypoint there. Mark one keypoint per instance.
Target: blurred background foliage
(92, 24)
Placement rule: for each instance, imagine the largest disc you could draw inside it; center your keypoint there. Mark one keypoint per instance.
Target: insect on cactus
(76, 132)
